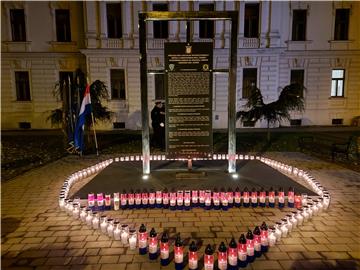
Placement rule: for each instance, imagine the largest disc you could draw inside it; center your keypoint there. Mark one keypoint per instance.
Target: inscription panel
(188, 99)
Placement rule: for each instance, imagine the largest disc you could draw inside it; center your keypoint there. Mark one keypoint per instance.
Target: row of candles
(196, 198)
(231, 257)
(226, 259)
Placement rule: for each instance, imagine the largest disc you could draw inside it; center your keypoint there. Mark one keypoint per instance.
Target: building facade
(313, 43)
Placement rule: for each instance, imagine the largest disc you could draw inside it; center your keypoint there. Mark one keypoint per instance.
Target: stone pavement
(36, 234)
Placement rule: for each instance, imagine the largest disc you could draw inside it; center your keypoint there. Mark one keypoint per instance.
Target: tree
(290, 99)
(71, 95)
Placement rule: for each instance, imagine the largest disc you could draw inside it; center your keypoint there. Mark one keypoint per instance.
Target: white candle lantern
(299, 217)
(83, 213)
(132, 239)
(95, 221)
(117, 230)
(69, 207)
(272, 237)
(124, 233)
(62, 202)
(116, 201)
(304, 198)
(103, 224)
(278, 232)
(293, 220)
(289, 223)
(326, 202)
(110, 227)
(88, 219)
(305, 213)
(76, 211)
(284, 228)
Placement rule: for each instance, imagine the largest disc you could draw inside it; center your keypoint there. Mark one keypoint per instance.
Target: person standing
(158, 124)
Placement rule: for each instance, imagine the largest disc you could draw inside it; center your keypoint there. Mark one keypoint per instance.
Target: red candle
(194, 196)
(262, 197)
(165, 198)
(180, 198)
(216, 198)
(158, 197)
(237, 197)
(144, 198)
(152, 198)
(131, 199)
(123, 199)
(172, 198)
(91, 199)
(297, 200)
(100, 199)
(202, 196)
(230, 197)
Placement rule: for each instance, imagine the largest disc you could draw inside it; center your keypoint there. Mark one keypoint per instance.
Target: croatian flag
(84, 111)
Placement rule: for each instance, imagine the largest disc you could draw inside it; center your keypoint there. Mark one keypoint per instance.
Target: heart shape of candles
(252, 245)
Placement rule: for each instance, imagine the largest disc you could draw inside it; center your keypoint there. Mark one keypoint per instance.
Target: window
(297, 77)
(17, 20)
(206, 28)
(64, 83)
(249, 81)
(299, 25)
(337, 83)
(63, 33)
(114, 26)
(251, 29)
(159, 86)
(22, 85)
(342, 24)
(161, 28)
(117, 84)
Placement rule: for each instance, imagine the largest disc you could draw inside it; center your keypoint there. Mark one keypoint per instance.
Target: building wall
(273, 54)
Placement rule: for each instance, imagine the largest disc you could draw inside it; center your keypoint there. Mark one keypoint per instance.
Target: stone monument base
(191, 175)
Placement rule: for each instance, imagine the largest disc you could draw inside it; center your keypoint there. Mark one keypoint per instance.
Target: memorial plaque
(188, 68)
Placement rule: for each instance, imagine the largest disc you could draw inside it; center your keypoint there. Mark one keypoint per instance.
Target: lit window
(342, 24)
(206, 27)
(299, 25)
(17, 20)
(161, 28)
(117, 84)
(251, 29)
(249, 81)
(114, 20)
(337, 83)
(63, 32)
(22, 85)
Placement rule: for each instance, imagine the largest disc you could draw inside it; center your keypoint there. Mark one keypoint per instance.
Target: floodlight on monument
(235, 175)
(145, 177)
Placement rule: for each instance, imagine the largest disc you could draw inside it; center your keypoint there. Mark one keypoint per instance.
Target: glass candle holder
(100, 201)
(216, 199)
(272, 237)
(144, 199)
(158, 198)
(194, 197)
(83, 213)
(180, 198)
(77, 201)
(326, 202)
(278, 232)
(230, 197)
(202, 197)
(132, 239)
(187, 199)
(293, 220)
(124, 234)
(173, 200)
(315, 207)
(165, 199)
(152, 199)
(116, 201)
(304, 198)
(305, 213)
(299, 217)
(95, 220)
(290, 225)
(88, 219)
(208, 198)
(110, 227)
(69, 207)
(284, 228)
(62, 202)
(76, 211)
(117, 230)
(103, 224)
(107, 201)
(131, 200)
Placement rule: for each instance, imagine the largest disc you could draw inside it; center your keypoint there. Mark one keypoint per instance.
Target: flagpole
(93, 122)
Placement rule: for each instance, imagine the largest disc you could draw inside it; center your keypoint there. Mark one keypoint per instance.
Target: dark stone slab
(121, 176)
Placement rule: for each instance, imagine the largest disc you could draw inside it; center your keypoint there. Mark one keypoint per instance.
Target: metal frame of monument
(189, 16)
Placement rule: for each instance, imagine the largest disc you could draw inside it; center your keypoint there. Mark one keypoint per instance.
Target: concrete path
(36, 234)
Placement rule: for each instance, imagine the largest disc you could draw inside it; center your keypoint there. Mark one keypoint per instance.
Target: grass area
(22, 151)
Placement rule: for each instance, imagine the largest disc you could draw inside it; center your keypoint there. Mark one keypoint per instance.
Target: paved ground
(35, 234)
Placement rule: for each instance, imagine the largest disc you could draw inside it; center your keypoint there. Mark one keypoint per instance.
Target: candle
(152, 199)
(165, 199)
(305, 213)
(222, 257)
(193, 256)
(172, 200)
(293, 220)
(209, 258)
(69, 207)
(250, 246)
(254, 199)
(216, 199)
(107, 201)
(178, 253)
(76, 211)
(103, 224)
(131, 200)
(62, 202)
(230, 197)
(100, 201)
(284, 228)
(158, 198)
(88, 219)
(164, 249)
(116, 201)
(132, 239)
(291, 198)
(110, 227)
(207, 199)
(202, 198)
(83, 213)
(272, 237)
(297, 200)
(232, 254)
(187, 199)
(237, 197)
(303, 199)
(117, 230)
(262, 197)
(257, 241)
(299, 218)
(142, 240)
(144, 199)
(180, 199)
(124, 234)
(289, 223)
(95, 221)
(281, 198)
(224, 201)
(138, 199)
(123, 200)
(271, 197)
(194, 197)
(278, 231)
(242, 251)
(246, 199)
(264, 237)
(153, 244)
